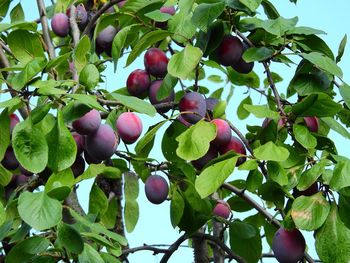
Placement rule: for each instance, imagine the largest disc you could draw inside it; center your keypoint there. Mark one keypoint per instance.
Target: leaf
(28, 248)
(147, 40)
(62, 147)
(99, 169)
(89, 76)
(250, 80)
(317, 104)
(271, 152)
(2, 214)
(310, 212)
(90, 255)
(177, 207)
(257, 54)
(184, 63)
(169, 142)
(135, 104)
(304, 30)
(341, 48)
(310, 176)
(181, 26)
(341, 173)
(345, 93)
(336, 126)
(39, 211)
(158, 16)
(30, 146)
(70, 238)
(98, 202)
(323, 62)
(17, 13)
(4, 132)
(205, 14)
(5, 176)
(81, 52)
(168, 84)
(277, 173)
(212, 177)
(261, 111)
(269, 9)
(118, 44)
(333, 232)
(304, 136)
(251, 4)
(194, 142)
(59, 184)
(89, 100)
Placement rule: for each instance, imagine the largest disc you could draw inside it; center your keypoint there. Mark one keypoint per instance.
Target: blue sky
(154, 223)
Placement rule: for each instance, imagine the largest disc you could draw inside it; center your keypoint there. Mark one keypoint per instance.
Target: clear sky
(154, 223)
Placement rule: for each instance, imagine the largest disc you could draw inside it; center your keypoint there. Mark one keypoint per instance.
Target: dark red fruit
(88, 123)
(156, 189)
(10, 162)
(313, 189)
(101, 144)
(156, 62)
(312, 123)
(183, 121)
(193, 102)
(153, 90)
(81, 16)
(230, 50)
(204, 160)
(13, 121)
(138, 83)
(237, 146)
(211, 103)
(60, 24)
(288, 246)
(89, 159)
(222, 209)
(129, 127)
(104, 40)
(223, 132)
(166, 10)
(79, 141)
(243, 67)
(78, 166)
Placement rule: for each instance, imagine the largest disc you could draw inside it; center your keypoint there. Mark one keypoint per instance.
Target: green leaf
(25, 46)
(257, 54)
(177, 207)
(205, 14)
(5, 176)
(184, 63)
(4, 132)
(119, 43)
(131, 214)
(89, 76)
(2, 214)
(341, 176)
(245, 242)
(269, 9)
(147, 40)
(310, 212)
(212, 177)
(99, 169)
(27, 249)
(341, 49)
(4, 7)
(345, 93)
(39, 211)
(277, 173)
(336, 126)
(70, 238)
(168, 84)
(323, 62)
(11, 103)
(181, 26)
(98, 202)
(333, 232)
(304, 30)
(89, 100)
(81, 52)
(261, 111)
(251, 4)
(194, 142)
(158, 16)
(59, 184)
(304, 136)
(250, 80)
(318, 104)
(135, 104)
(271, 152)
(90, 255)
(242, 113)
(30, 146)
(310, 176)
(169, 142)
(219, 109)
(17, 13)
(136, 5)
(147, 139)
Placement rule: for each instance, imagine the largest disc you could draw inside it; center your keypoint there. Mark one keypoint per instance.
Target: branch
(75, 36)
(45, 28)
(218, 229)
(116, 103)
(200, 248)
(173, 248)
(145, 247)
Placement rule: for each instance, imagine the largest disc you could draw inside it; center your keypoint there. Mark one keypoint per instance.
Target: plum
(230, 50)
(193, 102)
(101, 144)
(156, 62)
(129, 127)
(237, 146)
(81, 16)
(243, 67)
(288, 246)
(138, 83)
(60, 24)
(222, 209)
(89, 159)
(210, 155)
(88, 123)
(78, 166)
(156, 189)
(312, 123)
(10, 162)
(211, 103)
(223, 132)
(104, 40)
(79, 141)
(153, 90)
(181, 119)
(13, 121)
(166, 10)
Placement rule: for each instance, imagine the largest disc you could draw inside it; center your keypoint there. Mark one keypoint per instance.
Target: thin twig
(173, 248)
(75, 36)
(45, 28)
